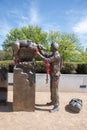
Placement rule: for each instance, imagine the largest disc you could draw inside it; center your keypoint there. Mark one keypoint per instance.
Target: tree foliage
(69, 45)
(25, 33)
(6, 54)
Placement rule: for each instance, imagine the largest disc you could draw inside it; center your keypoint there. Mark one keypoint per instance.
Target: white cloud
(51, 27)
(70, 12)
(78, 24)
(4, 29)
(34, 14)
(34, 19)
(30, 17)
(81, 27)
(13, 13)
(24, 18)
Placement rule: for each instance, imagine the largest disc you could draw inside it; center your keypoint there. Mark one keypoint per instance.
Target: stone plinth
(3, 85)
(24, 88)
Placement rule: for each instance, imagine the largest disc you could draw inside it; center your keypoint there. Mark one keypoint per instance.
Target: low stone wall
(68, 83)
(73, 83)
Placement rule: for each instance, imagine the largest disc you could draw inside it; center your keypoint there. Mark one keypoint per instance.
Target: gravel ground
(41, 119)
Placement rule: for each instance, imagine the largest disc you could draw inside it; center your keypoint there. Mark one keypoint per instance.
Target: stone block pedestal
(24, 88)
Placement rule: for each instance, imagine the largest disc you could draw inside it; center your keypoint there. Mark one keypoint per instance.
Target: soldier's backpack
(75, 105)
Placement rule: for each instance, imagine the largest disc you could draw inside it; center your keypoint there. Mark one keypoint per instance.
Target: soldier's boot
(49, 103)
(55, 109)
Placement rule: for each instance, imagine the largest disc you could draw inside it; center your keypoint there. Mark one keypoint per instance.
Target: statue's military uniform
(54, 77)
(54, 60)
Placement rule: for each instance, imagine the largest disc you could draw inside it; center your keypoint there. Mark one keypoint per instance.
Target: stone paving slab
(41, 119)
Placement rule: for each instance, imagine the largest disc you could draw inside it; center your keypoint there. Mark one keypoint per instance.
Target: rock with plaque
(24, 75)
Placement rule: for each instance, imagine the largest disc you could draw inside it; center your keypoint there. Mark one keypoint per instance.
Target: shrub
(5, 63)
(69, 68)
(8, 64)
(82, 68)
(10, 68)
(40, 67)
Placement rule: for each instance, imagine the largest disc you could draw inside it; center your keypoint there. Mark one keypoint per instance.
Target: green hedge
(82, 68)
(6, 63)
(69, 68)
(40, 67)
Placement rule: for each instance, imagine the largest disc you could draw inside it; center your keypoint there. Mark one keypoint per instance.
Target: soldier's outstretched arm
(41, 49)
(42, 57)
(51, 59)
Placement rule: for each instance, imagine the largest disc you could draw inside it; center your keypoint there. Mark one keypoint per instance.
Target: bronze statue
(24, 52)
(55, 65)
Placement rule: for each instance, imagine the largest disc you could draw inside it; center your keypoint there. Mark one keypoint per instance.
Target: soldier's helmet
(55, 46)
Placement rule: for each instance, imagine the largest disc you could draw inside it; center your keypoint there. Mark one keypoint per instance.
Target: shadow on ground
(6, 107)
(41, 109)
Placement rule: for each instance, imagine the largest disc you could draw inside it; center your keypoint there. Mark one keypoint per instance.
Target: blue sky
(68, 16)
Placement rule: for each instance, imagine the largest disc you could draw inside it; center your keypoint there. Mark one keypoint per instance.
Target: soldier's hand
(41, 47)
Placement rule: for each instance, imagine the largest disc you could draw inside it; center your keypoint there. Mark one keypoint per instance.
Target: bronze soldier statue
(24, 53)
(55, 65)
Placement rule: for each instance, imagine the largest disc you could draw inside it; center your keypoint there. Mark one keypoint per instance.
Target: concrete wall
(73, 83)
(68, 82)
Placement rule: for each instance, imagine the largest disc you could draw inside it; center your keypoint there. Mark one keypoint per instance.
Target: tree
(25, 33)
(6, 54)
(83, 57)
(2, 55)
(69, 46)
